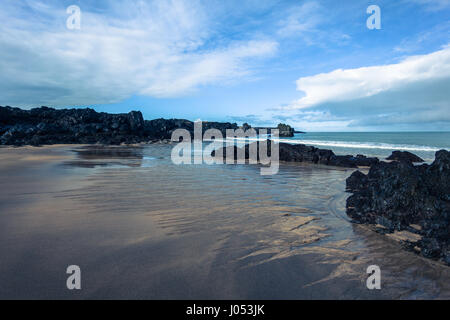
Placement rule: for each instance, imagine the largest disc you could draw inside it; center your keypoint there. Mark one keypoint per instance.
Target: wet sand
(142, 228)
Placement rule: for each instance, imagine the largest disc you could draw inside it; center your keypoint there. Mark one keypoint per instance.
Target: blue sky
(312, 64)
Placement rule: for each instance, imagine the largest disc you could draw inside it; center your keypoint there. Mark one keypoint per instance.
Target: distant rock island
(285, 131)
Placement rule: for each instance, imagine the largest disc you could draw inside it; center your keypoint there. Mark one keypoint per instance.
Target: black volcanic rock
(86, 126)
(363, 161)
(343, 161)
(297, 153)
(163, 129)
(399, 194)
(356, 182)
(404, 156)
(285, 130)
(50, 126)
(304, 153)
(221, 126)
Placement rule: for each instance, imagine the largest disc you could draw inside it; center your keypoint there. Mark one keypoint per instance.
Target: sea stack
(286, 131)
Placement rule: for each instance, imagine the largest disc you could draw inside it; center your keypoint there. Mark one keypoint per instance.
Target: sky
(312, 64)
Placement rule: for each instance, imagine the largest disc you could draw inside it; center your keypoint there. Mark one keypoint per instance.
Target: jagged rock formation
(49, 126)
(85, 126)
(285, 130)
(404, 156)
(303, 153)
(397, 195)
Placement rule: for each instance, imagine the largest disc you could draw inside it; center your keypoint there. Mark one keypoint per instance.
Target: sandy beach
(141, 227)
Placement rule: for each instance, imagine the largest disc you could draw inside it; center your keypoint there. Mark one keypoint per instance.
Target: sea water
(378, 144)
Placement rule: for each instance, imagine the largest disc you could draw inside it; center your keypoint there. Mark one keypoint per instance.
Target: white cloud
(407, 77)
(425, 39)
(200, 69)
(157, 48)
(303, 18)
(306, 22)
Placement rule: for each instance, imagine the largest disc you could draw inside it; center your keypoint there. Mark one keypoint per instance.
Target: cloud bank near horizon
(412, 91)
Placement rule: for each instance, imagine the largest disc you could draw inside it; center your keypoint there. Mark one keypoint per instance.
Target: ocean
(377, 144)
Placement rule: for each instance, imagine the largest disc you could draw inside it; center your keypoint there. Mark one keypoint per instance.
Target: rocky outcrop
(304, 153)
(163, 128)
(50, 126)
(246, 127)
(285, 130)
(45, 125)
(398, 195)
(221, 126)
(404, 156)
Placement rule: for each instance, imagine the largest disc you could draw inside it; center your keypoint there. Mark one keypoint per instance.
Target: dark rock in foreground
(397, 195)
(404, 156)
(44, 125)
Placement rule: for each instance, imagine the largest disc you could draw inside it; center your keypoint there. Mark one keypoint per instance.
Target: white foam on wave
(344, 144)
(362, 145)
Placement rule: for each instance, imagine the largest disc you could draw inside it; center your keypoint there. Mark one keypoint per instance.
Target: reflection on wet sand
(149, 229)
(103, 156)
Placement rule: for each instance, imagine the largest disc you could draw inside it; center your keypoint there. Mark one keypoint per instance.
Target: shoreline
(44, 125)
(128, 226)
(385, 227)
